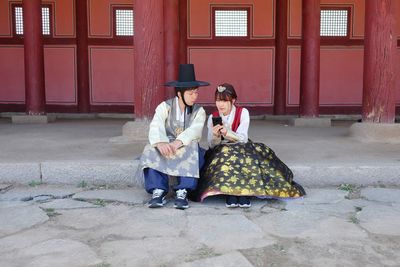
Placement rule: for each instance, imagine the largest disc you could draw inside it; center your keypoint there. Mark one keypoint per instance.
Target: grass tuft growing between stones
(100, 202)
(51, 212)
(347, 187)
(82, 184)
(34, 183)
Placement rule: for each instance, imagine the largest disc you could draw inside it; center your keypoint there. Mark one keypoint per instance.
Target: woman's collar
(231, 114)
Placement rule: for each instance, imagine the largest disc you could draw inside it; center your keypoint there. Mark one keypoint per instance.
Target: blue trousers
(154, 179)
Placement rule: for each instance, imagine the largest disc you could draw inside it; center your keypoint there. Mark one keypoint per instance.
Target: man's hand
(169, 149)
(175, 145)
(165, 149)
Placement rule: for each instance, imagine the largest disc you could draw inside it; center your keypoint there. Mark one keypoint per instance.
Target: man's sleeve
(195, 130)
(157, 132)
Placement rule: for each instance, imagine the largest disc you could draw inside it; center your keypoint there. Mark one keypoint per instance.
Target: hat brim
(186, 84)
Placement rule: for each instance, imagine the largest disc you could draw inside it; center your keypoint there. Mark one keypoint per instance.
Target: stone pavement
(72, 151)
(69, 197)
(53, 225)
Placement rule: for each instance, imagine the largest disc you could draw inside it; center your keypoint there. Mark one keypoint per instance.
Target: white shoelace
(157, 193)
(181, 193)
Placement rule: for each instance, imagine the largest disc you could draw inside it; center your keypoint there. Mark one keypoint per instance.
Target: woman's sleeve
(195, 130)
(211, 139)
(157, 132)
(241, 134)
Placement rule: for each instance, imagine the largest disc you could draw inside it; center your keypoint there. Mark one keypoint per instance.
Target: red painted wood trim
(183, 28)
(34, 58)
(329, 110)
(254, 110)
(171, 41)
(380, 59)
(231, 42)
(280, 57)
(149, 57)
(47, 41)
(111, 41)
(112, 109)
(272, 42)
(331, 42)
(310, 59)
(83, 56)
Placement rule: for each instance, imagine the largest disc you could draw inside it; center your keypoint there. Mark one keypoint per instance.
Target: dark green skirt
(246, 169)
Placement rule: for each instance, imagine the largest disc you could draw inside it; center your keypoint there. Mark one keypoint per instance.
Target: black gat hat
(187, 78)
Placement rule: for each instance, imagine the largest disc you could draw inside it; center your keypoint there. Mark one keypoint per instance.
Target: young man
(174, 136)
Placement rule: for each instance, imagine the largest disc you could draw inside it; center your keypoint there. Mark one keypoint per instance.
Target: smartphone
(217, 120)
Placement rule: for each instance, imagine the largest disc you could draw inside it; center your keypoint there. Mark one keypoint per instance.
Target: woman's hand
(217, 130)
(223, 131)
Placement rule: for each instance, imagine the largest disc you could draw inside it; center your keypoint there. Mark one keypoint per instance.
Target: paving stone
(232, 259)
(67, 204)
(55, 252)
(380, 219)
(126, 222)
(360, 253)
(381, 194)
(289, 223)
(334, 230)
(227, 232)
(147, 252)
(28, 193)
(15, 219)
(341, 209)
(131, 196)
(4, 187)
(28, 238)
(12, 204)
(89, 218)
(143, 222)
(320, 196)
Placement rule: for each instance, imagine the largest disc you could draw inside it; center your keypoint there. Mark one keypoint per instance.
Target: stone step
(126, 172)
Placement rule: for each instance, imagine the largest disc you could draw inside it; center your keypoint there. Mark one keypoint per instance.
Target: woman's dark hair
(225, 92)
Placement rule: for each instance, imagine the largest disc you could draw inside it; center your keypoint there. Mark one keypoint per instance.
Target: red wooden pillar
(171, 41)
(35, 95)
(281, 57)
(379, 61)
(148, 57)
(82, 55)
(310, 54)
(183, 22)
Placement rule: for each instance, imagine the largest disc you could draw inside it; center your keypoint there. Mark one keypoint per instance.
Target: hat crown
(186, 73)
(186, 78)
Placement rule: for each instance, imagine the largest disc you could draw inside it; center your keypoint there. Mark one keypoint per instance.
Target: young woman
(235, 166)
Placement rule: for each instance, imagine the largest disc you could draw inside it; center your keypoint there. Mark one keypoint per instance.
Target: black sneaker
(231, 201)
(181, 200)
(158, 199)
(244, 202)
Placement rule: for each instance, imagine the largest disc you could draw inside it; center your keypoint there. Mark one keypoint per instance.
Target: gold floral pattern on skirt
(250, 169)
